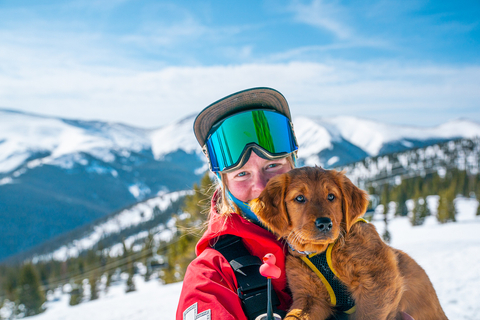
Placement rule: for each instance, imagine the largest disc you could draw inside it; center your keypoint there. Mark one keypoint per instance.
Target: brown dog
(312, 208)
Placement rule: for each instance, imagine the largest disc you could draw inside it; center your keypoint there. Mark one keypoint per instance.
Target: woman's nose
(259, 183)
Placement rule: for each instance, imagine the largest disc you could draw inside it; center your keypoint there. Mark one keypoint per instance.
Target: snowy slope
(449, 253)
(130, 217)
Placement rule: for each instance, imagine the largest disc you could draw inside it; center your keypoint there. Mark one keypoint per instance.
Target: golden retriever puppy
(316, 212)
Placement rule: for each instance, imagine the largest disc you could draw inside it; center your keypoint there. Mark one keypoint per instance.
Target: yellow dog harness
(322, 265)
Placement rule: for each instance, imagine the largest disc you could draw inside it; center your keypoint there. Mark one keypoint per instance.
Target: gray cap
(255, 98)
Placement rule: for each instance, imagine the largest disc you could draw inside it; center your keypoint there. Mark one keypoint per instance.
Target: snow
(23, 135)
(449, 253)
(139, 190)
(332, 160)
(312, 138)
(127, 218)
(173, 137)
(151, 301)
(371, 135)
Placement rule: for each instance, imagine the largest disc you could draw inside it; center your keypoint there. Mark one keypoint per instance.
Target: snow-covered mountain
(342, 140)
(58, 174)
(28, 141)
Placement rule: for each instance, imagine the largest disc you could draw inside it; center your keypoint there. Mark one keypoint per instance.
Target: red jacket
(210, 285)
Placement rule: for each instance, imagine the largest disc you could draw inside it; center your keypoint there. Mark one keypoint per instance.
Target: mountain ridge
(58, 174)
(91, 136)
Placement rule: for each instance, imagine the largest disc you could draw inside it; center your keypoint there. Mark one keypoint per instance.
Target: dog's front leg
(310, 297)
(309, 308)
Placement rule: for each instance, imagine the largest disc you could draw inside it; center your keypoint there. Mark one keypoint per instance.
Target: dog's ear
(270, 205)
(355, 201)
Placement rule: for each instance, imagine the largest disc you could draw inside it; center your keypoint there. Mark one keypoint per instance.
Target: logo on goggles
(267, 131)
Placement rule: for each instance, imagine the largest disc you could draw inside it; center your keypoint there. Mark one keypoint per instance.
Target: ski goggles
(266, 131)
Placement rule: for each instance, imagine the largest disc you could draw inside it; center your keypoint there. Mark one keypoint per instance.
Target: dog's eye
(331, 197)
(300, 198)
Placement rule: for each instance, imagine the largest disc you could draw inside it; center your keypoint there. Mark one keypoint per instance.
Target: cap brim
(265, 98)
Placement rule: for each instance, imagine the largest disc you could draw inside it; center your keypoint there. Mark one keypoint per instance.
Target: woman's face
(248, 182)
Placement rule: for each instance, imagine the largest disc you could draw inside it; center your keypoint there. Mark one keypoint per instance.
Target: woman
(248, 138)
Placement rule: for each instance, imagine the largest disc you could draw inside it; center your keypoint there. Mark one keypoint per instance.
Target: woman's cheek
(239, 190)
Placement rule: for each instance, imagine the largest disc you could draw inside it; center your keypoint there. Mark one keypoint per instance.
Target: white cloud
(340, 21)
(384, 90)
(303, 53)
(323, 14)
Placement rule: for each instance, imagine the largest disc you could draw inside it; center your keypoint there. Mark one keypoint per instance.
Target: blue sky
(149, 63)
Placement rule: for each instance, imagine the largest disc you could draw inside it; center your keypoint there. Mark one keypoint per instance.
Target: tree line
(447, 187)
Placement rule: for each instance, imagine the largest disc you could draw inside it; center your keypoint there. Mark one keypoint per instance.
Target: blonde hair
(224, 207)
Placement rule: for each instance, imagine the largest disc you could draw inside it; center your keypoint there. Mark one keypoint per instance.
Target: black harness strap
(252, 286)
(344, 301)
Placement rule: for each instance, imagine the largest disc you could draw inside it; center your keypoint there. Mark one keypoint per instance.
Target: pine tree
(442, 208)
(471, 181)
(461, 182)
(147, 251)
(76, 295)
(125, 249)
(386, 234)
(30, 294)
(156, 211)
(130, 283)
(436, 183)
(11, 284)
(43, 270)
(385, 197)
(93, 281)
(446, 208)
(385, 200)
(109, 280)
(419, 212)
(477, 194)
(402, 198)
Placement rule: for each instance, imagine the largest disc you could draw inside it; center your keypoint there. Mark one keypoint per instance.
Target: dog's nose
(324, 224)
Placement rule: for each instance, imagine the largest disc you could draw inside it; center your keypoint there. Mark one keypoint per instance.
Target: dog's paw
(295, 314)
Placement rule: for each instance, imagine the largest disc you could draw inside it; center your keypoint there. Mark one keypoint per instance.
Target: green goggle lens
(232, 137)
